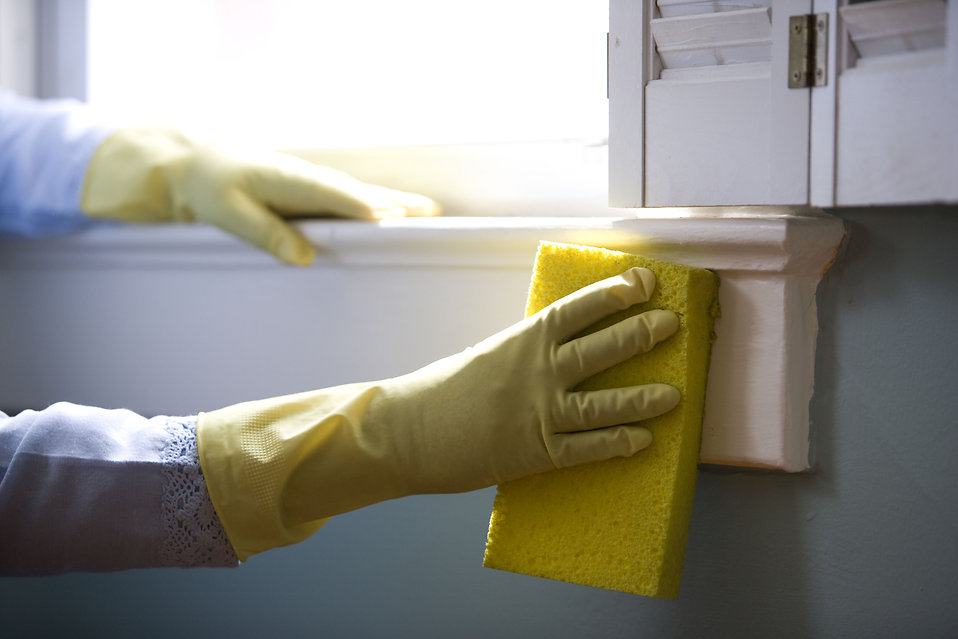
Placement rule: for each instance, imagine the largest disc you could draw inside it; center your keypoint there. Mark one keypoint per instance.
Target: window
(331, 73)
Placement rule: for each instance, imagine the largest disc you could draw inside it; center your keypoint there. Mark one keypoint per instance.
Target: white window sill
(770, 262)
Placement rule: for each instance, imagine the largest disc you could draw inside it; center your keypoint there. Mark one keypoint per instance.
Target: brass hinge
(808, 50)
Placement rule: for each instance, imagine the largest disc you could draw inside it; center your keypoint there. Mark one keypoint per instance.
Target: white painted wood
(672, 8)
(630, 64)
(742, 71)
(789, 128)
(823, 116)
(62, 51)
(708, 142)
(708, 39)
(896, 133)
(18, 46)
(179, 319)
(895, 26)
(881, 131)
(724, 140)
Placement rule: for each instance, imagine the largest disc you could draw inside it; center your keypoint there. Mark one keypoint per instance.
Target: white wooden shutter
(721, 126)
(701, 113)
(896, 117)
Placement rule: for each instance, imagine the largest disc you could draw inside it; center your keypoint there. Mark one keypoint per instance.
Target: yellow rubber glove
(161, 175)
(498, 411)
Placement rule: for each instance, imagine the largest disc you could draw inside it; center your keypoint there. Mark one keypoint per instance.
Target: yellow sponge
(621, 524)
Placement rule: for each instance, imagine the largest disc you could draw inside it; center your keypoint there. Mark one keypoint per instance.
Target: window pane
(357, 72)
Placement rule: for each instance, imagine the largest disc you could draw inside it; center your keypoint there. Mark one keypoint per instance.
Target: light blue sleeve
(87, 489)
(45, 147)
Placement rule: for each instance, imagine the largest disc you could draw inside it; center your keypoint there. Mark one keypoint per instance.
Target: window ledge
(770, 262)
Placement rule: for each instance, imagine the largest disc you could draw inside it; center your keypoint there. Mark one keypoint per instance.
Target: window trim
(18, 46)
(43, 48)
(62, 49)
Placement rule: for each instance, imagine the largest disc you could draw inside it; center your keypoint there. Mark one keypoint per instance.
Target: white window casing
(43, 48)
(18, 46)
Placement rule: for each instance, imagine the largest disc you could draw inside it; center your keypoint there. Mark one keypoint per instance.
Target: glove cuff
(130, 176)
(277, 469)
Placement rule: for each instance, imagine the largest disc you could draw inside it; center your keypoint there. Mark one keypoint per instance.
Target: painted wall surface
(863, 546)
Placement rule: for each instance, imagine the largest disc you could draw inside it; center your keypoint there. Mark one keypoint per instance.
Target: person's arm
(45, 149)
(162, 175)
(504, 409)
(87, 489)
(59, 171)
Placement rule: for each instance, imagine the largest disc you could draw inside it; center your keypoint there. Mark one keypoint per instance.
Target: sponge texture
(620, 524)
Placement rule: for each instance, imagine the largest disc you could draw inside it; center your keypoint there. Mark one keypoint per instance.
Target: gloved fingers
(292, 186)
(249, 220)
(590, 354)
(590, 410)
(409, 204)
(579, 310)
(598, 445)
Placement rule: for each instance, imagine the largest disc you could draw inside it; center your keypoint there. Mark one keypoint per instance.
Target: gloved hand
(495, 412)
(159, 175)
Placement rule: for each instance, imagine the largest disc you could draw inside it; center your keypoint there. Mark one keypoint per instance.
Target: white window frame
(43, 48)
(48, 59)
(18, 44)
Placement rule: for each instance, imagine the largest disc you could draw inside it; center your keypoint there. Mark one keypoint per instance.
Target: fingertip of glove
(643, 280)
(630, 439)
(416, 205)
(662, 324)
(666, 397)
(296, 250)
(387, 211)
(402, 204)
(641, 438)
(647, 278)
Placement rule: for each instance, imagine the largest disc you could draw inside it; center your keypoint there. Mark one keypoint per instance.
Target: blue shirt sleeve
(45, 147)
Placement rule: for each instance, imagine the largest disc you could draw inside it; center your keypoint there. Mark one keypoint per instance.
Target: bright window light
(327, 73)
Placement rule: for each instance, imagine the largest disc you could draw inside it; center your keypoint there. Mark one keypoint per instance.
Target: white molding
(18, 46)
(823, 113)
(62, 51)
(708, 39)
(630, 69)
(673, 8)
(895, 26)
(43, 48)
(769, 260)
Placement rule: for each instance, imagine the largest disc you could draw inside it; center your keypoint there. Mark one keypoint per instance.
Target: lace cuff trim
(194, 535)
